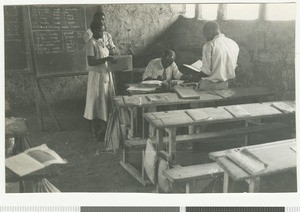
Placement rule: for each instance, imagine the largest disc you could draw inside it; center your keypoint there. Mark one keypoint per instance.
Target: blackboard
(16, 54)
(57, 39)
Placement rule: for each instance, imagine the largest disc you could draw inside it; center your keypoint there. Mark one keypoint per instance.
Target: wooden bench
(139, 144)
(189, 174)
(207, 98)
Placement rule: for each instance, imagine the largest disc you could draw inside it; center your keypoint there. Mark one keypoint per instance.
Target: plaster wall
(267, 50)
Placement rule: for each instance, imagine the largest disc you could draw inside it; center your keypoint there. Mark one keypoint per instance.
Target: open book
(196, 66)
(246, 160)
(32, 160)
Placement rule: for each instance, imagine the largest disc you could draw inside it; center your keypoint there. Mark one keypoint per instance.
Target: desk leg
(172, 144)
(187, 187)
(254, 185)
(246, 136)
(159, 140)
(151, 129)
(133, 115)
(228, 184)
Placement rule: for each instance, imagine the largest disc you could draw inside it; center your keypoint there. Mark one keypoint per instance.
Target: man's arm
(206, 60)
(176, 74)
(148, 74)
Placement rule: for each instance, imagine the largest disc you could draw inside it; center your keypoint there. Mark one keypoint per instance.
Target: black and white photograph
(155, 98)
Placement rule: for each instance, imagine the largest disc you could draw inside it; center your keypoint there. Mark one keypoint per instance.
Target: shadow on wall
(266, 58)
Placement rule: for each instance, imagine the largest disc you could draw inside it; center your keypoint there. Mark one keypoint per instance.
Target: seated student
(219, 57)
(164, 69)
(99, 16)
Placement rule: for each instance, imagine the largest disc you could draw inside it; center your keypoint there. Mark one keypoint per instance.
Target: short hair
(169, 53)
(96, 25)
(211, 26)
(98, 14)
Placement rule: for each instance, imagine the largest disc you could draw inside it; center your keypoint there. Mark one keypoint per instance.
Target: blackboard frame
(36, 70)
(29, 68)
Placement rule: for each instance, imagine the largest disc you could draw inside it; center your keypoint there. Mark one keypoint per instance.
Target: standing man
(219, 57)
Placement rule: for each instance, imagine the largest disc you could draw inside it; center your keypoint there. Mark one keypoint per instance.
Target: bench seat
(141, 143)
(191, 173)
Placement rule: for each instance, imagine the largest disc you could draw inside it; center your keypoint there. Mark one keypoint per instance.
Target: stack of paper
(141, 88)
(237, 111)
(247, 161)
(152, 83)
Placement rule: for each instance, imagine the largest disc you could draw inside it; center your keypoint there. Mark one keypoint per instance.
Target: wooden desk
(171, 99)
(171, 120)
(278, 155)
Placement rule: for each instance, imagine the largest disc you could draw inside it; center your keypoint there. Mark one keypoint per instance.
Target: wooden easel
(39, 93)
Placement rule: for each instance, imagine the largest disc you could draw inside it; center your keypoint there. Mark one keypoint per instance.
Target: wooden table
(171, 99)
(170, 120)
(278, 155)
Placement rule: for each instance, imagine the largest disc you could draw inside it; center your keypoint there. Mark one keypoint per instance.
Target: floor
(92, 169)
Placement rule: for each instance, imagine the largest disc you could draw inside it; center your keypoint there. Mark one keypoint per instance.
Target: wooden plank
(205, 96)
(134, 172)
(140, 143)
(172, 144)
(214, 155)
(217, 113)
(186, 93)
(254, 185)
(234, 171)
(201, 171)
(260, 109)
(278, 156)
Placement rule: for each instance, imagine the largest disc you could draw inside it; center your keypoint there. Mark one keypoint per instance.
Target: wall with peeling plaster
(266, 57)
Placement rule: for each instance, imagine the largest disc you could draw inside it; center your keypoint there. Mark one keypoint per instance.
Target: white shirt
(155, 69)
(219, 57)
(107, 38)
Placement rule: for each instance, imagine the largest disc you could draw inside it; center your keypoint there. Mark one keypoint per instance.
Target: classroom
(150, 98)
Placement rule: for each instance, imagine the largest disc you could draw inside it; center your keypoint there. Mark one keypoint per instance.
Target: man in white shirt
(164, 69)
(219, 57)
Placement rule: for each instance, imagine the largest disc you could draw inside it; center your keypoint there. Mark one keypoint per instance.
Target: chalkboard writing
(15, 50)
(57, 34)
(57, 18)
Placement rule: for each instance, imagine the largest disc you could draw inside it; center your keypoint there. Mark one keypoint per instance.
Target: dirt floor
(92, 169)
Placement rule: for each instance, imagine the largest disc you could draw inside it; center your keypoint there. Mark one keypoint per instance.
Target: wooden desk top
(179, 118)
(205, 96)
(278, 155)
